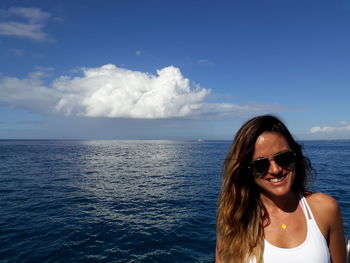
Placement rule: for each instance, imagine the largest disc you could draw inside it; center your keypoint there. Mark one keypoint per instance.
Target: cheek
(292, 173)
(289, 169)
(259, 180)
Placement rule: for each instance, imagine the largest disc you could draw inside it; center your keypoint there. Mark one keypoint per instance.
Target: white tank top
(313, 250)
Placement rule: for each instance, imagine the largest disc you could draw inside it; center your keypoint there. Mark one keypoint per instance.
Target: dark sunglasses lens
(285, 159)
(261, 166)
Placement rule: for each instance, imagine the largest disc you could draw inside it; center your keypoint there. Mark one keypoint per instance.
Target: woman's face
(278, 180)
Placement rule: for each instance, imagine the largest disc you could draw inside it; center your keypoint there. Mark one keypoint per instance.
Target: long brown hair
(241, 214)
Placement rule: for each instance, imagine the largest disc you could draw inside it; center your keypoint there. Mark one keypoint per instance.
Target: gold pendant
(284, 226)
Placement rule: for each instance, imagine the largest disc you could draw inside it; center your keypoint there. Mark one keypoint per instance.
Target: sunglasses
(262, 165)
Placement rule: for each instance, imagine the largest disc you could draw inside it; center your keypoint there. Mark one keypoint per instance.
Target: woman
(265, 212)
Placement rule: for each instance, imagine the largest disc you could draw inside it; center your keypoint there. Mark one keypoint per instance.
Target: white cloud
(114, 92)
(31, 27)
(32, 14)
(315, 129)
(343, 126)
(27, 93)
(110, 91)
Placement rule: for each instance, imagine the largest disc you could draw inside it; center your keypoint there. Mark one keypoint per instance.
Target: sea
(127, 201)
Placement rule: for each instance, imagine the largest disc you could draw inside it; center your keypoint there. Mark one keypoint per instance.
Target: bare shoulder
(325, 210)
(328, 217)
(322, 202)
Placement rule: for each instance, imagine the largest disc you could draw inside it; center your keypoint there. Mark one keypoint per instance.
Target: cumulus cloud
(343, 126)
(110, 91)
(24, 22)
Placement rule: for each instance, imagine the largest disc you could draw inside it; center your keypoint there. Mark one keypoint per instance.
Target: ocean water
(126, 201)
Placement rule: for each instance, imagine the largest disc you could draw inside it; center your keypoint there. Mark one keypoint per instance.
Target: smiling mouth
(276, 179)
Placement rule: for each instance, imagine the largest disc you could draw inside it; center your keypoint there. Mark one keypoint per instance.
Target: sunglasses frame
(269, 159)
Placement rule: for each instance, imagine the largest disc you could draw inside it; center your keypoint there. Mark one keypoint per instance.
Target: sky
(177, 70)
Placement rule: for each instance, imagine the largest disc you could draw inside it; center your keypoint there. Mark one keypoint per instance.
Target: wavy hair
(241, 215)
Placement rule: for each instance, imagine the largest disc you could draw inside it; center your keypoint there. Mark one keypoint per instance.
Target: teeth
(276, 180)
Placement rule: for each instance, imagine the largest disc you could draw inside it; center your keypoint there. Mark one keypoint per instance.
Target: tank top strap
(306, 208)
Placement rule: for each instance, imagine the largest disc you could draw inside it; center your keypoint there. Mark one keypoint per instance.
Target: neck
(286, 203)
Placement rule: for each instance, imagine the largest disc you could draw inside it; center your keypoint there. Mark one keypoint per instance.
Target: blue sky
(155, 69)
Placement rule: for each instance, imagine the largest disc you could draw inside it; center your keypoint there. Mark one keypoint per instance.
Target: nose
(274, 167)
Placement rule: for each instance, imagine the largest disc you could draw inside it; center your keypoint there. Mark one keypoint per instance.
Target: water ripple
(124, 201)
